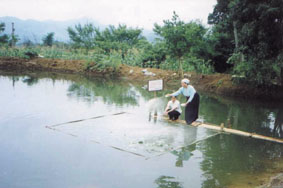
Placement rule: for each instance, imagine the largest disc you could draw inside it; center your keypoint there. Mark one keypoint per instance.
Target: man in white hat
(192, 104)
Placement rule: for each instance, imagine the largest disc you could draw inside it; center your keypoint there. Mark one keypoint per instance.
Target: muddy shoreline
(219, 84)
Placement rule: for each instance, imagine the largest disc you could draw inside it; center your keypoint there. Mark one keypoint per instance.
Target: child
(173, 109)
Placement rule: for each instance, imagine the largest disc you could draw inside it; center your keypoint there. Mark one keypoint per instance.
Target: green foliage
(118, 39)
(190, 63)
(251, 74)
(13, 39)
(82, 36)
(102, 62)
(182, 39)
(27, 43)
(173, 32)
(219, 83)
(261, 38)
(122, 34)
(153, 54)
(134, 57)
(3, 38)
(198, 65)
(257, 25)
(146, 55)
(16, 52)
(48, 39)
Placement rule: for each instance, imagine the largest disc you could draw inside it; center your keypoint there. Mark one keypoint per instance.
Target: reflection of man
(278, 124)
(183, 155)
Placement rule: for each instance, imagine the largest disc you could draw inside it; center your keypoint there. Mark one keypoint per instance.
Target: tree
(153, 54)
(256, 31)
(3, 38)
(260, 25)
(120, 38)
(48, 39)
(82, 36)
(13, 39)
(27, 42)
(221, 38)
(180, 38)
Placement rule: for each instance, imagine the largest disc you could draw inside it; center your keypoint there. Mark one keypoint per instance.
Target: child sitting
(173, 109)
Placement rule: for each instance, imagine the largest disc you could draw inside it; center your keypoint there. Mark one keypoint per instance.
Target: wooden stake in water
(155, 112)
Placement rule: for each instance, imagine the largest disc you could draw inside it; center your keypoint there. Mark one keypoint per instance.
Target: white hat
(186, 81)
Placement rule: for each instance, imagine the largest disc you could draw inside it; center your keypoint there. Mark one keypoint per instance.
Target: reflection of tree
(110, 91)
(278, 124)
(212, 110)
(242, 116)
(168, 182)
(30, 80)
(228, 156)
(15, 79)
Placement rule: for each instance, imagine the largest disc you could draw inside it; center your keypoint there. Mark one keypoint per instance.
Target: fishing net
(135, 134)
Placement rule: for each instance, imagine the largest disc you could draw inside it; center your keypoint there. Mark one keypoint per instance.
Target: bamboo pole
(223, 129)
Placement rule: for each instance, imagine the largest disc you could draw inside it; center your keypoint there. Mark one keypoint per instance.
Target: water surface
(73, 131)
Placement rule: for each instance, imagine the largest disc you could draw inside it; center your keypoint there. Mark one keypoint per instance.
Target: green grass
(97, 60)
(94, 60)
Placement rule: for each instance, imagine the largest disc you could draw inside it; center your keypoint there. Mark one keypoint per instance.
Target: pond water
(60, 130)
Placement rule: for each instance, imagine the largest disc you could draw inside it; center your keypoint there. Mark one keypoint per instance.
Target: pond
(62, 130)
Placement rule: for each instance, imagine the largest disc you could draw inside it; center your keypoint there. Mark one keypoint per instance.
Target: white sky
(141, 13)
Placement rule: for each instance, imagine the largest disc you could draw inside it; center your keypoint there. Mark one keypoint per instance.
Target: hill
(34, 30)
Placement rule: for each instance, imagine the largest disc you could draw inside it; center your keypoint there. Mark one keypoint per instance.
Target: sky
(134, 13)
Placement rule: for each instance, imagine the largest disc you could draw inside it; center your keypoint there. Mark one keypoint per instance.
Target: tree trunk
(181, 73)
(237, 42)
(13, 35)
(236, 37)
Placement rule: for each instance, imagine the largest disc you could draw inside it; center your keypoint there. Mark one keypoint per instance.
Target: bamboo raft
(223, 129)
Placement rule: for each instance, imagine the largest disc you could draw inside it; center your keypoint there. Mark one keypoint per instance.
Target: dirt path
(220, 84)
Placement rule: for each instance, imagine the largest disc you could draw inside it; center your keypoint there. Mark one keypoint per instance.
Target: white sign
(155, 85)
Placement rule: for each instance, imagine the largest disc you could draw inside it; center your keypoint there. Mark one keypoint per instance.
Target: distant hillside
(34, 30)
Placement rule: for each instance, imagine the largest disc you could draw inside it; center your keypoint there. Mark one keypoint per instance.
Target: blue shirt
(187, 92)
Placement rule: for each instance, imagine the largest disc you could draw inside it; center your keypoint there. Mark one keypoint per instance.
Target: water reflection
(184, 154)
(152, 116)
(27, 79)
(278, 124)
(30, 80)
(223, 157)
(244, 116)
(168, 182)
(109, 91)
(14, 80)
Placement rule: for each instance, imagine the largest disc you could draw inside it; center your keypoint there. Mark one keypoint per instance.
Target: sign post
(155, 85)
